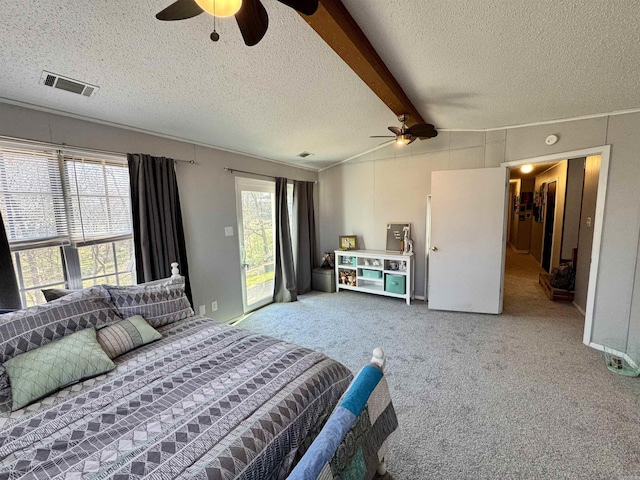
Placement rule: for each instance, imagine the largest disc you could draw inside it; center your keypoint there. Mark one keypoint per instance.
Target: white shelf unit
(353, 264)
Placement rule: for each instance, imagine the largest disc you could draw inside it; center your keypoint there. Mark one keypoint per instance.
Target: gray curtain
(284, 289)
(303, 212)
(9, 292)
(157, 219)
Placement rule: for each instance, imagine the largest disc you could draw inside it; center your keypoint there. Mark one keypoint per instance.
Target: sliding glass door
(256, 205)
(256, 233)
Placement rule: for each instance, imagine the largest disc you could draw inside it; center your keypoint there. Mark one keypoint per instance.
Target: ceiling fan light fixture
(403, 139)
(220, 8)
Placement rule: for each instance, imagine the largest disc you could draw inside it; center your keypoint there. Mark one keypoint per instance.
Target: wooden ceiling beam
(339, 30)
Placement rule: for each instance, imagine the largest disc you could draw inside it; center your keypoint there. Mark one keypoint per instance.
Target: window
(68, 219)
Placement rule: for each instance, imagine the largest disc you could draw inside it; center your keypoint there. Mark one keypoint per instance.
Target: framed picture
(348, 242)
(527, 197)
(395, 235)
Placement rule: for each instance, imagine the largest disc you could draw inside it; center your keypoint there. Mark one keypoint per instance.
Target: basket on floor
(619, 362)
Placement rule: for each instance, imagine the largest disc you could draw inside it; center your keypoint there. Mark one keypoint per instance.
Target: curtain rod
(234, 170)
(26, 143)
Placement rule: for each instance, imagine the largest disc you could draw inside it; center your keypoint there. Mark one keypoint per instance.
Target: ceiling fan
(405, 135)
(251, 15)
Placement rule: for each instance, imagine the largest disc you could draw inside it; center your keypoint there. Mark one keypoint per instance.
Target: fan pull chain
(214, 35)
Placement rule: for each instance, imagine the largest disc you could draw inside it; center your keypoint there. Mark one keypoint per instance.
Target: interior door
(549, 222)
(256, 234)
(467, 247)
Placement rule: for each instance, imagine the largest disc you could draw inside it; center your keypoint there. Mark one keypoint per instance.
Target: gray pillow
(124, 336)
(160, 304)
(51, 294)
(36, 374)
(28, 329)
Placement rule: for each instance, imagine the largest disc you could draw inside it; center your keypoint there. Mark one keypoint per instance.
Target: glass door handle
(243, 258)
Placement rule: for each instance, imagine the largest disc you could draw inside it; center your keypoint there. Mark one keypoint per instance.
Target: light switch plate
(202, 309)
(228, 231)
(214, 306)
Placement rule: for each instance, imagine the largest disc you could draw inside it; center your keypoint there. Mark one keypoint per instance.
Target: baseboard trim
(419, 297)
(241, 318)
(516, 250)
(582, 312)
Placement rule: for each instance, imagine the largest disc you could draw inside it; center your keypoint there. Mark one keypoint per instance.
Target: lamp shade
(223, 8)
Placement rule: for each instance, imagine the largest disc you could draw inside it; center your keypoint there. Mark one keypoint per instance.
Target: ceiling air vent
(64, 83)
(305, 154)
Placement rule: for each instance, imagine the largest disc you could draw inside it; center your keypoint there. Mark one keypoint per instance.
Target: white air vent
(64, 83)
(305, 154)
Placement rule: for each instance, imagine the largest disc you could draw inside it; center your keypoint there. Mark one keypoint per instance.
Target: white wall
(360, 197)
(391, 185)
(207, 193)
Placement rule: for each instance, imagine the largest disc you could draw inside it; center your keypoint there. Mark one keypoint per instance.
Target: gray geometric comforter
(206, 401)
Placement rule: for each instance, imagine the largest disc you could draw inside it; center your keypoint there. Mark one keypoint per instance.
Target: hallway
(522, 293)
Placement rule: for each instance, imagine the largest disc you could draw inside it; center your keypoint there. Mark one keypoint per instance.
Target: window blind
(98, 201)
(31, 198)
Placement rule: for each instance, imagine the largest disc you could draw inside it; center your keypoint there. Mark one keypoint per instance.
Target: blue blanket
(352, 442)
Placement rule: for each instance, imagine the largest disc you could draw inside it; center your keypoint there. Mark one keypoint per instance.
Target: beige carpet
(515, 396)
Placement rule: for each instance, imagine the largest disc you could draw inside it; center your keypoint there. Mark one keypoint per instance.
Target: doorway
(593, 221)
(549, 220)
(256, 207)
(256, 211)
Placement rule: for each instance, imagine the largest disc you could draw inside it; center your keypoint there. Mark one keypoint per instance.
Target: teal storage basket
(395, 284)
(371, 273)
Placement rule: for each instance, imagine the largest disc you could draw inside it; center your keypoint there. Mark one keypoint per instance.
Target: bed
(207, 400)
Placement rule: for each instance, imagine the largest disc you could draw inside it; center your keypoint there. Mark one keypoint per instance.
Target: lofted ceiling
(465, 64)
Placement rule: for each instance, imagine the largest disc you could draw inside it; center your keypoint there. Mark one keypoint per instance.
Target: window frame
(71, 268)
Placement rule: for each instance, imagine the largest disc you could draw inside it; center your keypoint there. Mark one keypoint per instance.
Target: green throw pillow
(49, 368)
(125, 335)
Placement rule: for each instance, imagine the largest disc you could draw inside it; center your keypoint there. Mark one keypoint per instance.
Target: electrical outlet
(228, 231)
(202, 309)
(214, 306)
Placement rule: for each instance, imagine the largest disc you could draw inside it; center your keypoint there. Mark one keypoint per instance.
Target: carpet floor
(514, 396)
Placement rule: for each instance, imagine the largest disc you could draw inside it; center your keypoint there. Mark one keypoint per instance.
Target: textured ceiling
(479, 64)
(472, 64)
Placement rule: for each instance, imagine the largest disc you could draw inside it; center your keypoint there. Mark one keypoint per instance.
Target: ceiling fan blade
(308, 7)
(396, 130)
(422, 130)
(253, 21)
(381, 136)
(180, 10)
(412, 140)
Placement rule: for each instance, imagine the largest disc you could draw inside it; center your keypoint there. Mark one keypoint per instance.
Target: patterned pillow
(124, 336)
(47, 369)
(51, 294)
(36, 326)
(160, 304)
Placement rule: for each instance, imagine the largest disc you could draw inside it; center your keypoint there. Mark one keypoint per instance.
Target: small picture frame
(348, 242)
